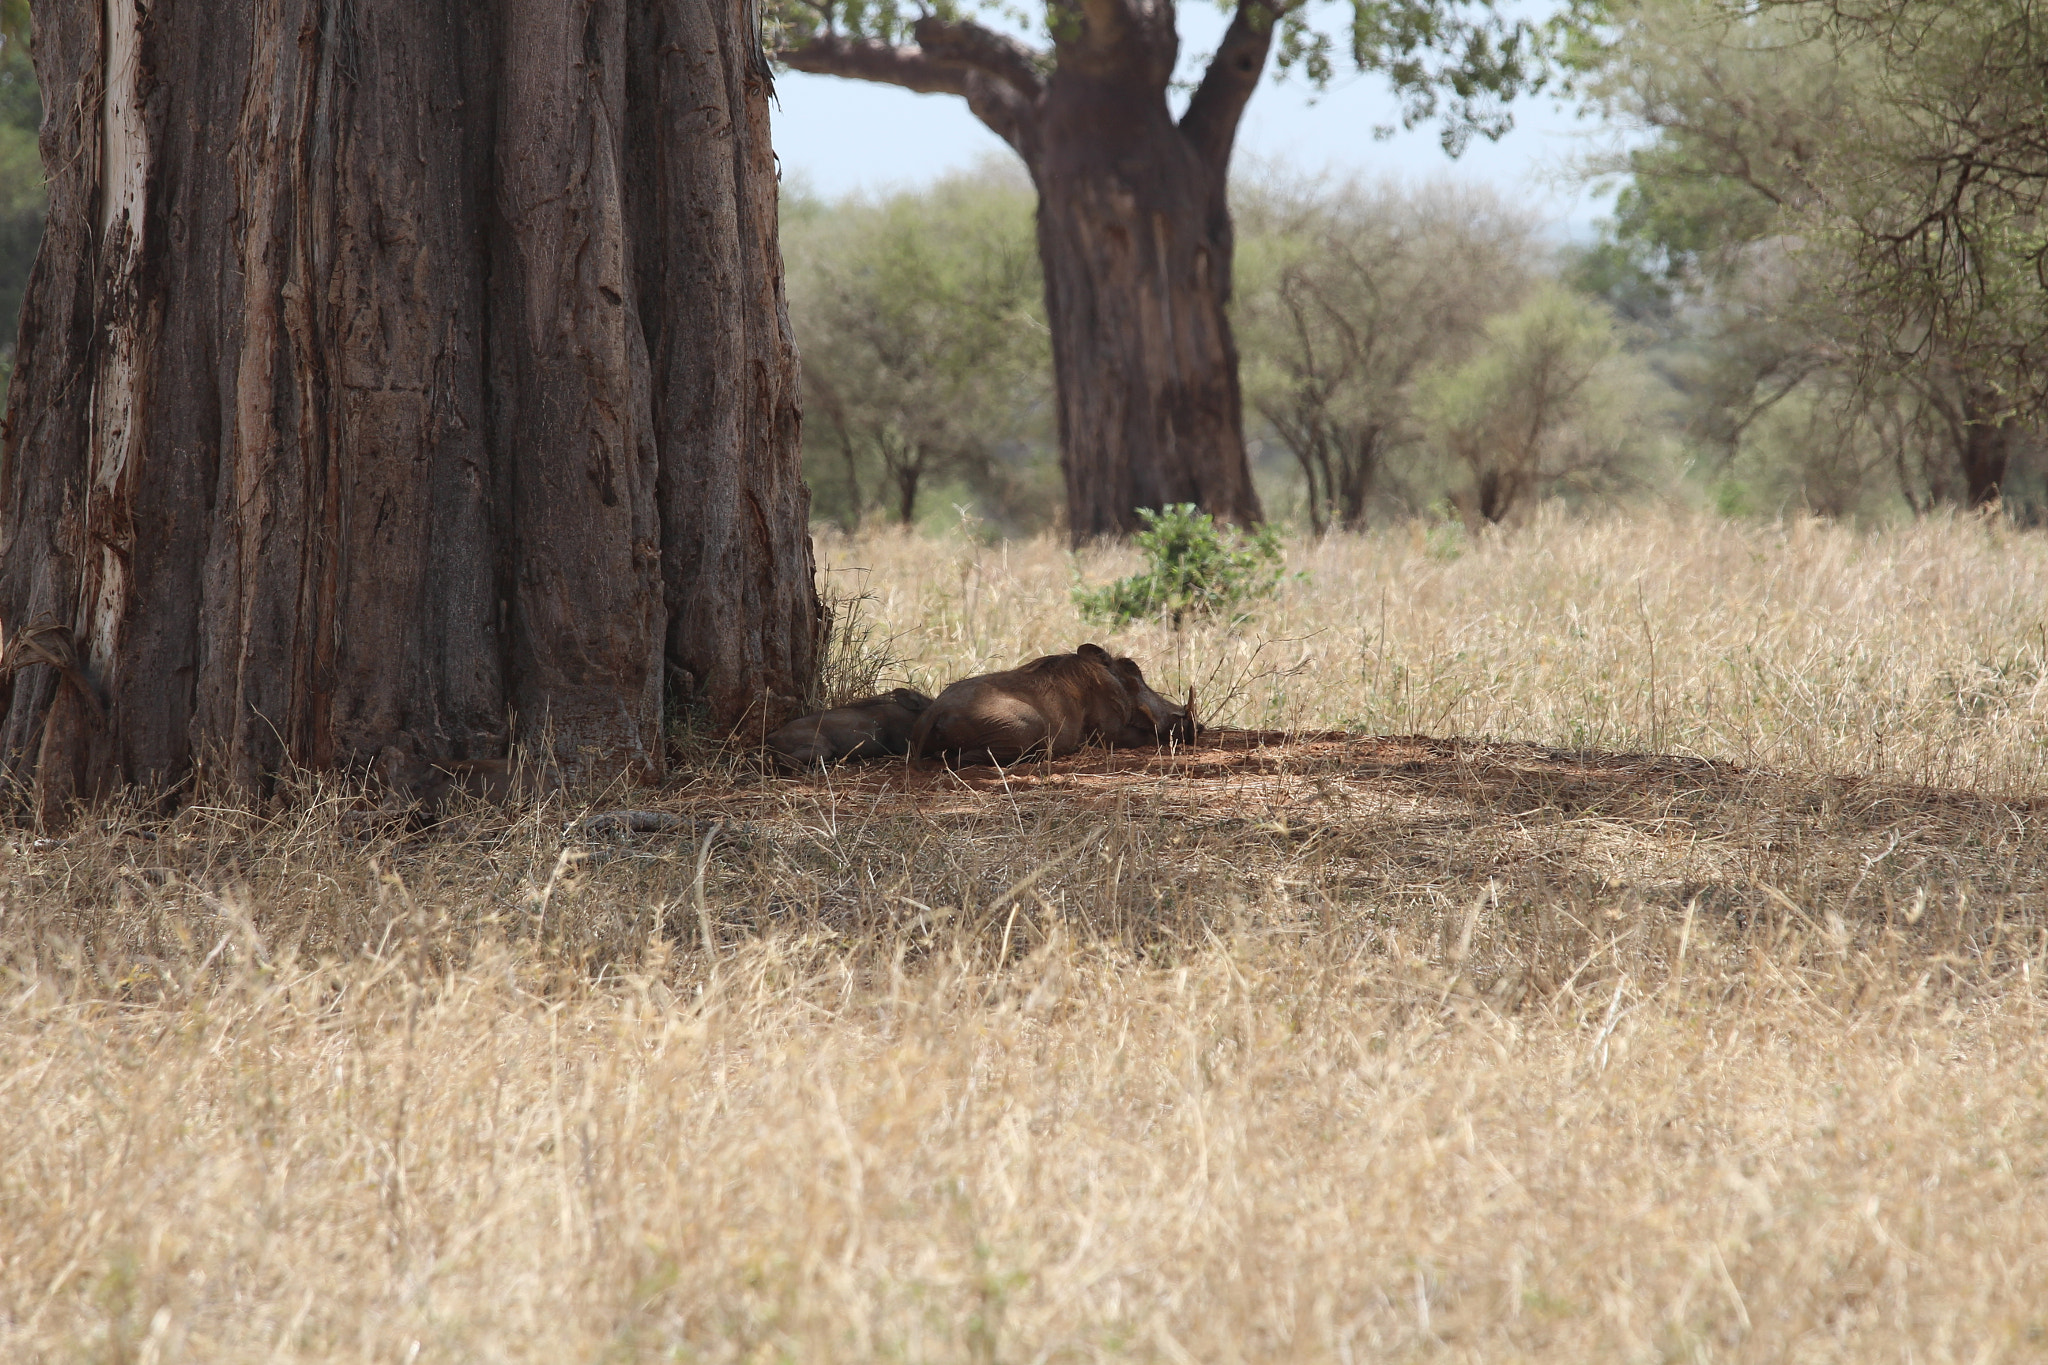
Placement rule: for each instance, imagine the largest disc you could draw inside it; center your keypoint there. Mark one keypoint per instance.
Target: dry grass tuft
(1304, 1048)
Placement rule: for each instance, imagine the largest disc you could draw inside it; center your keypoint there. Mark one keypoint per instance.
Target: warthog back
(1047, 708)
(873, 727)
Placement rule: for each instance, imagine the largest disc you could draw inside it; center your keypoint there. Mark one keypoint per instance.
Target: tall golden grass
(1329, 1052)
(1919, 651)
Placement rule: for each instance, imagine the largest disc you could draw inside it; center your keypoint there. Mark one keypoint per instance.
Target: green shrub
(1194, 568)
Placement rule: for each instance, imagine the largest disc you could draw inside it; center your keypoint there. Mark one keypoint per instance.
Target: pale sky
(841, 136)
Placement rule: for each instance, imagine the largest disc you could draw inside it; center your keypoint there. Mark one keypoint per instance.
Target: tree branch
(995, 100)
(868, 59)
(1097, 24)
(1214, 112)
(966, 43)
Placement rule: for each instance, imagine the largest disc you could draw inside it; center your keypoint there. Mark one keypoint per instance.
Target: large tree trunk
(1133, 230)
(397, 375)
(1135, 238)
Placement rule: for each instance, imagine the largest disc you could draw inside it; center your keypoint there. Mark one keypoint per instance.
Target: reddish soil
(1230, 767)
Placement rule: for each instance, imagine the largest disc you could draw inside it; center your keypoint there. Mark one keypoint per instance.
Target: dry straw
(1347, 1052)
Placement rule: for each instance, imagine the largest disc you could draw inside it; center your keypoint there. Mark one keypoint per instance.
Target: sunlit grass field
(1919, 651)
(1687, 1007)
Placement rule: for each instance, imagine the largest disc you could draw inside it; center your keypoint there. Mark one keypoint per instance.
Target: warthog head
(1167, 719)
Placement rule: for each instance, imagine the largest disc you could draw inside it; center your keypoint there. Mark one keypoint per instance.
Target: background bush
(1193, 567)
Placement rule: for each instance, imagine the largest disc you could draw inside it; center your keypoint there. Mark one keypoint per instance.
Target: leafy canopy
(1847, 197)
(1456, 62)
(1898, 149)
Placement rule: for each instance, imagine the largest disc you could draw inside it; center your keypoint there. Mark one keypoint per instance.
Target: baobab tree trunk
(398, 377)
(1135, 240)
(1134, 235)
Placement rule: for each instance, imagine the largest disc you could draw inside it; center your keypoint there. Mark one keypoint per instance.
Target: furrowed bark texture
(1136, 243)
(1134, 235)
(402, 378)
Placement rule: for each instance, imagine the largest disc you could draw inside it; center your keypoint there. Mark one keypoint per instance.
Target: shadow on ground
(1410, 828)
(1407, 845)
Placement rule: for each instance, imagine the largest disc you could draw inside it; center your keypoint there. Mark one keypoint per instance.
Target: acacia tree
(1863, 180)
(1348, 296)
(922, 344)
(1537, 409)
(1134, 229)
(400, 378)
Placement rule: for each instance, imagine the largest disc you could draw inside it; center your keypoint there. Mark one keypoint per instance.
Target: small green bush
(1195, 568)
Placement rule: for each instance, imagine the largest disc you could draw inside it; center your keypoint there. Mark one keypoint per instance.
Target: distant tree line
(1400, 350)
(1824, 288)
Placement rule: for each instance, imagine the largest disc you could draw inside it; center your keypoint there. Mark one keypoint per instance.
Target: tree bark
(909, 473)
(1134, 235)
(1135, 238)
(1359, 466)
(398, 377)
(1984, 449)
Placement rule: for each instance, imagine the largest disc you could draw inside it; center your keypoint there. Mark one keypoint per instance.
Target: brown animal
(1050, 707)
(873, 727)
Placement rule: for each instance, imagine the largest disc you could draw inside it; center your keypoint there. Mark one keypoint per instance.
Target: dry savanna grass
(1920, 652)
(1682, 1011)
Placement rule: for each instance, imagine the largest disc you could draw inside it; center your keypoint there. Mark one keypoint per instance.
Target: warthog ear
(1096, 652)
(1194, 726)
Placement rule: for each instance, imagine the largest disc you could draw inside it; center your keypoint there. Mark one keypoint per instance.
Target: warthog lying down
(873, 727)
(1049, 707)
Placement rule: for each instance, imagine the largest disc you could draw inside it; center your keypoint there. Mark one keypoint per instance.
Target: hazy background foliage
(1429, 350)
(927, 364)
(1820, 292)
(23, 195)
(1404, 351)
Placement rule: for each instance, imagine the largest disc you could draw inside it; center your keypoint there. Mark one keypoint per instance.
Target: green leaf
(1195, 569)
